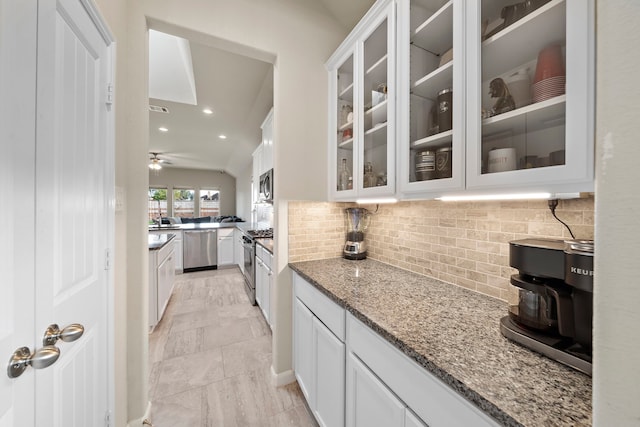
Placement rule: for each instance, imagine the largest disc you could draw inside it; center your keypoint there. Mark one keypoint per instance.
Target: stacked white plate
(548, 88)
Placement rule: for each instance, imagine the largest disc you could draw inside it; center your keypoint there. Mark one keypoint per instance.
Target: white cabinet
(255, 177)
(264, 282)
(328, 353)
(303, 349)
(238, 249)
(425, 395)
(319, 353)
(431, 96)
(379, 386)
(161, 278)
(177, 247)
(267, 142)
(362, 117)
(547, 142)
(369, 402)
(520, 115)
(225, 246)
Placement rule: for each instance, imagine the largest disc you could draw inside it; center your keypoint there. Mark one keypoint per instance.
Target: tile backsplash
(464, 243)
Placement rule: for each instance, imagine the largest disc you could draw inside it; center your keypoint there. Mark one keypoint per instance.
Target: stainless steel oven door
(249, 268)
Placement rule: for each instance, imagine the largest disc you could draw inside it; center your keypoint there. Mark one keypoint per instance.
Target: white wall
(197, 179)
(299, 36)
(616, 292)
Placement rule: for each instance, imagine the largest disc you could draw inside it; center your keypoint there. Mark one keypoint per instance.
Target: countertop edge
(160, 245)
(461, 388)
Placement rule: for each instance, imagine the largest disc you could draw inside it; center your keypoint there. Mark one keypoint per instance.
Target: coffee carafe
(357, 222)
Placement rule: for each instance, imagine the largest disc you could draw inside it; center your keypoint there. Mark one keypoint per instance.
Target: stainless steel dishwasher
(200, 250)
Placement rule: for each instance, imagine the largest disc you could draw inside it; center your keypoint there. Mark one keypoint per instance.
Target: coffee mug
(502, 160)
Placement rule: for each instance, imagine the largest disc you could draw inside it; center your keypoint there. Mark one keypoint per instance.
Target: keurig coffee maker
(555, 299)
(357, 222)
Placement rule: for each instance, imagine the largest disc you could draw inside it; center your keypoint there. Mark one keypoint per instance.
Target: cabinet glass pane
(431, 88)
(375, 82)
(345, 126)
(523, 84)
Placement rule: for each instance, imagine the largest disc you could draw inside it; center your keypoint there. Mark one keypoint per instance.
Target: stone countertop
(454, 334)
(266, 243)
(157, 241)
(200, 226)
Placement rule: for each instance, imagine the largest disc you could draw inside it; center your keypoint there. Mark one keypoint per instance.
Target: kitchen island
(454, 334)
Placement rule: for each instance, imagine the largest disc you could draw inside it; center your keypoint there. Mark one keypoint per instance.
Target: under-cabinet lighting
(481, 197)
(376, 201)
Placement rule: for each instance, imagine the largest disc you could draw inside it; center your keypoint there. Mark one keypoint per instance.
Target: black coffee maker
(555, 299)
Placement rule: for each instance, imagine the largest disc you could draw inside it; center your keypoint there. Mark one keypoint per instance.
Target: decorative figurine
(498, 89)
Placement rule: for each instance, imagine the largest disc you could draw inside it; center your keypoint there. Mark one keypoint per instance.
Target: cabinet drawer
(427, 396)
(165, 251)
(327, 311)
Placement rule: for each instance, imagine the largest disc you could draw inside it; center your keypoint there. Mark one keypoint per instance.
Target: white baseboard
(283, 378)
(138, 422)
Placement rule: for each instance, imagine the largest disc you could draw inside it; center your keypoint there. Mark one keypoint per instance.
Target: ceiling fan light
(154, 165)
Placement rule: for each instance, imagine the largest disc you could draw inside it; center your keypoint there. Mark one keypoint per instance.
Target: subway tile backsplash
(463, 243)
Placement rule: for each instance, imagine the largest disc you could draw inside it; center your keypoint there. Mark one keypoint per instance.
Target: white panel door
(18, 20)
(369, 402)
(329, 376)
(72, 220)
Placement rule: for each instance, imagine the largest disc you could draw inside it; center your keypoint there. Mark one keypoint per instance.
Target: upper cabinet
(530, 100)
(267, 142)
(362, 108)
(431, 96)
(489, 96)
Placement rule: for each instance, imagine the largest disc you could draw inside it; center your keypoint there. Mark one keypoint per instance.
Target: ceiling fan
(155, 163)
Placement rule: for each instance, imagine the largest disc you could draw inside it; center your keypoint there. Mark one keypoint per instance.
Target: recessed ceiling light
(207, 111)
(163, 129)
(222, 136)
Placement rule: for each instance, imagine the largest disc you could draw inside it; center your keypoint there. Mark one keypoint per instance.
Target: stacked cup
(549, 80)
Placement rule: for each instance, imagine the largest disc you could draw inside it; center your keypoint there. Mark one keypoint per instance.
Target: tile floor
(210, 359)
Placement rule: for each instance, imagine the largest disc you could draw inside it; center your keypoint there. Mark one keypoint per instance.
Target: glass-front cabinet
(530, 95)
(362, 105)
(431, 96)
(476, 96)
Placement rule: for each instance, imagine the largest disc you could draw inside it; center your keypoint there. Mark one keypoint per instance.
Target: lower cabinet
(319, 354)
(225, 246)
(264, 282)
(328, 353)
(238, 249)
(351, 376)
(162, 269)
(369, 402)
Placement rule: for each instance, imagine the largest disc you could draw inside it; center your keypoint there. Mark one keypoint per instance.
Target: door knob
(68, 334)
(41, 358)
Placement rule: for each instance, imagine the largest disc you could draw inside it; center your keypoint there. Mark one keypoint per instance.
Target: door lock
(22, 358)
(68, 334)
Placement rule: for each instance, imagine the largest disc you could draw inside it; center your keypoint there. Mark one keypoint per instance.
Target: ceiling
(187, 77)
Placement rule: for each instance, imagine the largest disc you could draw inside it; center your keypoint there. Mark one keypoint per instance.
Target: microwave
(266, 186)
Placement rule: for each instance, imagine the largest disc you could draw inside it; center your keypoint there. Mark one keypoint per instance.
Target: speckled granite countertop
(266, 243)
(157, 241)
(454, 333)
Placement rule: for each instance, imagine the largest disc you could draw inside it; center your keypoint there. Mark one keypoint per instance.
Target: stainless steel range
(249, 244)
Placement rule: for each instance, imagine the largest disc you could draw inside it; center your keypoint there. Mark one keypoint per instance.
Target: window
(183, 203)
(209, 203)
(157, 204)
